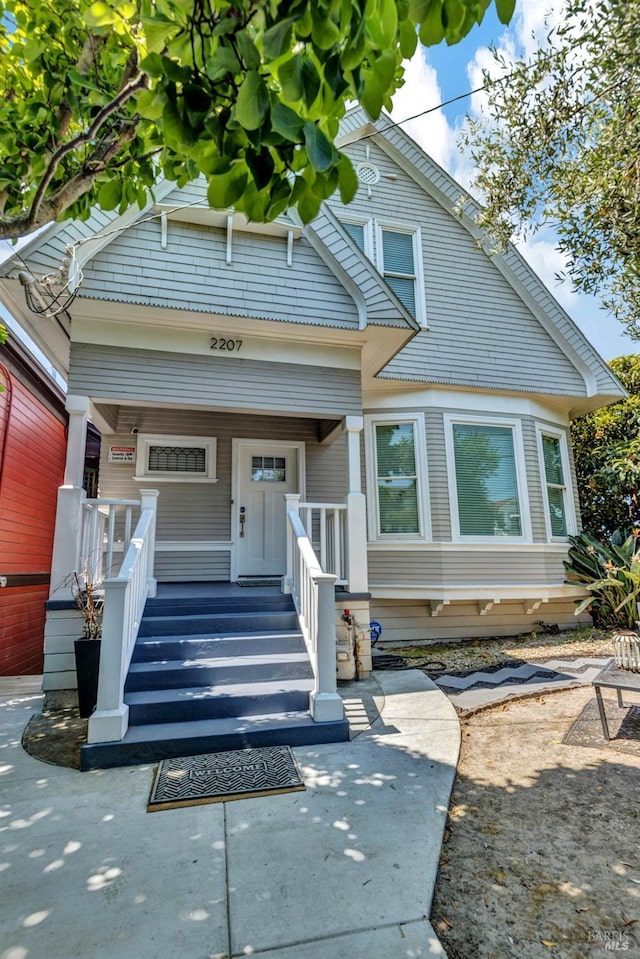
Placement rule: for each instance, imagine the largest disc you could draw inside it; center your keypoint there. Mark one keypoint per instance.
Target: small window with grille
(177, 458)
(268, 469)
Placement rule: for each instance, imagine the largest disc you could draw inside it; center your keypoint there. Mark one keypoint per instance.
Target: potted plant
(89, 600)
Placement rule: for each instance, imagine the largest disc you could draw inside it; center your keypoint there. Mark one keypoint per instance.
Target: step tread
(239, 614)
(219, 662)
(214, 727)
(225, 637)
(238, 690)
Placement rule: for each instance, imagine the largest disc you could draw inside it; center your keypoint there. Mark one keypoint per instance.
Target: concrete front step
(148, 744)
(236, 622)
(163, 648)
(219, 671)
(217, 702)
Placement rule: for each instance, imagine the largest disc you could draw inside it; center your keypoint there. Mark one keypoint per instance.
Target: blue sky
(442, 72)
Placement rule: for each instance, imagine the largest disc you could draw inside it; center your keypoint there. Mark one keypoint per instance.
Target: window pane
(405, 290)
(397, 252)
(356, 232)
(557, 512)
(486, 481)
(395, 450)
(398, 502)
(552, 460)
(397, 481)
(177, 459)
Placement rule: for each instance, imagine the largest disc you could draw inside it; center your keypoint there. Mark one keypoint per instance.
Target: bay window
(554, 465)
(397, 481)
(487, 483)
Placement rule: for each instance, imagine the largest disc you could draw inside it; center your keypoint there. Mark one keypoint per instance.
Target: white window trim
(368, 231)
(569, 502)
(145, 440)
(521, 477)
(416, 234)
(422, 477)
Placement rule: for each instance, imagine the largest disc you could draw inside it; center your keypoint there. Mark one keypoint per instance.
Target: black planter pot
(87, 668)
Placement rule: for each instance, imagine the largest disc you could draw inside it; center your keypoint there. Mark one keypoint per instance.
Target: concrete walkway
(479, 689)
(344, 870)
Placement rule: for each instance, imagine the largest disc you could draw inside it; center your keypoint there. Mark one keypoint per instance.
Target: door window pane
(397, 481)
(486, 480)
(268, 469)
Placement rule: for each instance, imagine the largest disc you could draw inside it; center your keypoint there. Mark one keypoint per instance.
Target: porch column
(357, 577)
(66, 539)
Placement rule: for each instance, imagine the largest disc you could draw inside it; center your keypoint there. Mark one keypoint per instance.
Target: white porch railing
(102, 521)
(312, 591)
(326, 526)
(124, 598)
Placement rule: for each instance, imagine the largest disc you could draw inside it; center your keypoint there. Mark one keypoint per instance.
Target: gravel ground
(541, 856)
(471, 654)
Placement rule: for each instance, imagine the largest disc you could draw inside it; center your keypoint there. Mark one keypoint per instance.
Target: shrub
(611, 573)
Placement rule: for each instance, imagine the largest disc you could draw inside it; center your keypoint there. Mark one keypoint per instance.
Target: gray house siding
(201, 513)
(465, 567)
(192, 274)
(410, 622)
(481, 333)
(127, 375)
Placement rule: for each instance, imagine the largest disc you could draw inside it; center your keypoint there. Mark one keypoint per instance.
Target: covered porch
(249, 517)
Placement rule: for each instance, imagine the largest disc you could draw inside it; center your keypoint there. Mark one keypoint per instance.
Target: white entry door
(265, 472)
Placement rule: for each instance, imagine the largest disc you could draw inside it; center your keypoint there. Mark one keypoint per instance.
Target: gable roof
(600, 384)
(110, 249)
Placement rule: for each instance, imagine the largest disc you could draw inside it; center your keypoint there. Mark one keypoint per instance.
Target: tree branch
(125, 94)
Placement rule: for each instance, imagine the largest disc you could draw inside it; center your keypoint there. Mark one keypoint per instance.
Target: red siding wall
(32, 456)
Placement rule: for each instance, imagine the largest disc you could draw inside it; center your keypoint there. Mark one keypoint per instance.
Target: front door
(265, 472)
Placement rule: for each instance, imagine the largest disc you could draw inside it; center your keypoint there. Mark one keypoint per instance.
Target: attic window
(399, 256)
(176, 458)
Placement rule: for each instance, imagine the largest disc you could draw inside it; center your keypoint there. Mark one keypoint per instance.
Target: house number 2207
(219, 343)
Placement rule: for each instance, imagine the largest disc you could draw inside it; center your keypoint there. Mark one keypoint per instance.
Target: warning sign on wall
(122, 454)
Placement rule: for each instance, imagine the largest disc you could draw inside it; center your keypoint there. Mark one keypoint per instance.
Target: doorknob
(243, 518)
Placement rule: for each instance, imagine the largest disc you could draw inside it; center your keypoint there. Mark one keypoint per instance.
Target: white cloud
(420, 92)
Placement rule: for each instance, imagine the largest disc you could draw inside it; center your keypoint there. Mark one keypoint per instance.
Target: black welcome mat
(221, 777)
(624, 726)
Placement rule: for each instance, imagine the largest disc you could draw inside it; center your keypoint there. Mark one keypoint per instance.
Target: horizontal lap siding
(32, 468)
(408, 622)
(432, 568)
(127, 375)
(201, 512)
(192, 274)
(22, 629)
(195, 567)
(480, 332)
